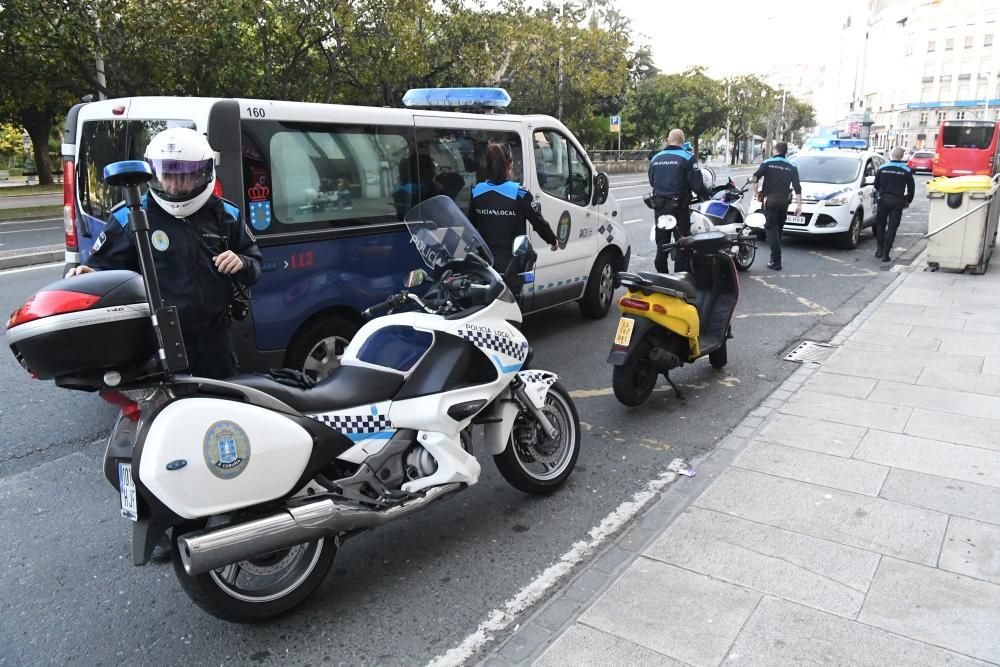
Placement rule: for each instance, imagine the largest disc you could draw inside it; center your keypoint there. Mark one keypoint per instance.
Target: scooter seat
(345, 387)
(681, 282)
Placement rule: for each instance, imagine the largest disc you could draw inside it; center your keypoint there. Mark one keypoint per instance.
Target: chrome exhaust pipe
(210, 549)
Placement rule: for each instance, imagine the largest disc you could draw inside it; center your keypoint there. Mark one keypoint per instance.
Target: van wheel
(853, 236)
(317, 349)
(600, 287)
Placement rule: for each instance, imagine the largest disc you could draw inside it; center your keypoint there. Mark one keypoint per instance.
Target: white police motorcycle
(726, 212)
(260, 479)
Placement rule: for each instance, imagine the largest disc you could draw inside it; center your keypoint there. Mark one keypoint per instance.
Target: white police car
(838, 194)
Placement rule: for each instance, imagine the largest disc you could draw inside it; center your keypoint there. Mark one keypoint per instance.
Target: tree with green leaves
(748, 100)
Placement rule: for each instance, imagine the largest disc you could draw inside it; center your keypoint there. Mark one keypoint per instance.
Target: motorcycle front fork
(517, 387)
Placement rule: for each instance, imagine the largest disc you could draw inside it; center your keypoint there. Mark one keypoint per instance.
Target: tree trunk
(39, 125)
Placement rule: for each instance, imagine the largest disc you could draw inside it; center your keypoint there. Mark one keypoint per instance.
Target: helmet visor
(180, 180)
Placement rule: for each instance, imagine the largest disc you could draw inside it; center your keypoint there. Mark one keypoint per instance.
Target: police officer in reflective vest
(674, 176)
(894, 188)
(781, 177)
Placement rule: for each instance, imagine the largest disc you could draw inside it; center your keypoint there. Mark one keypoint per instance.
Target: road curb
(31, 256)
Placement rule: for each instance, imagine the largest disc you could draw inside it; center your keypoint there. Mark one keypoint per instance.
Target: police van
(324, 188)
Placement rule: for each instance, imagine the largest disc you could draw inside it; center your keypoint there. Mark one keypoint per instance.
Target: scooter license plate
(624, 334)
(126, 485)
(796, 219)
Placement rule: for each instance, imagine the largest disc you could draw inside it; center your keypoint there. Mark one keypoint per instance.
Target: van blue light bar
(495, 98)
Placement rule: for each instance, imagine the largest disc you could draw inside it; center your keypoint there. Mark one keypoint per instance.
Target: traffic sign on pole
(616, 123)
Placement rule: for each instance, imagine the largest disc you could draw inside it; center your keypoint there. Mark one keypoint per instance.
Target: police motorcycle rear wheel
(260, 588)
(534, 463)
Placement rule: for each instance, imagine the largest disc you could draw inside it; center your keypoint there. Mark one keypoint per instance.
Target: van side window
(562, 170)
(457, 158)
(103, 142)
(315, 175)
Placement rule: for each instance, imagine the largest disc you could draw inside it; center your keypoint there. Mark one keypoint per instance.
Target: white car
(838, 193)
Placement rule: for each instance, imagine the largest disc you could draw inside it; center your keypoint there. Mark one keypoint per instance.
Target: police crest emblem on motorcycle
(227, 449)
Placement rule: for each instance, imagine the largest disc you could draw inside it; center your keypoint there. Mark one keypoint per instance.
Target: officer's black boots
(878, 250)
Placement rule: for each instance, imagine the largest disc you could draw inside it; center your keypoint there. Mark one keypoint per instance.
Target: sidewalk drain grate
(809, 351)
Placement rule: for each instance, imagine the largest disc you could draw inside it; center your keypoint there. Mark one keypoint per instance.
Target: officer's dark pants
(681, 258)
(775, 212)
(210, 352)
(887, 216)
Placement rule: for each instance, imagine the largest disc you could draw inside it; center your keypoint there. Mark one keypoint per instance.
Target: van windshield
(103, 142)
(827, 168)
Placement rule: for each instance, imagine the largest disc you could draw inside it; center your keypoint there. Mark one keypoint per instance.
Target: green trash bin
(962, 228)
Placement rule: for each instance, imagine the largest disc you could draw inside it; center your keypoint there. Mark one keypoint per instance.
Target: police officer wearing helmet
(674, 176)
(499, 209)
(201, 247)
(781, 177)
(894, 188)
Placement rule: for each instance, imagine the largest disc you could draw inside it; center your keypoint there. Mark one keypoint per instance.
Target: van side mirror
(869, 180)
(601, 188)
(414, 278)
(521, 246)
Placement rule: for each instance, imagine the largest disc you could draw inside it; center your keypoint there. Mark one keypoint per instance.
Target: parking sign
(616, 123)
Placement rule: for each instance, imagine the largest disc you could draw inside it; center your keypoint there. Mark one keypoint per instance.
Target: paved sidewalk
(853, 519)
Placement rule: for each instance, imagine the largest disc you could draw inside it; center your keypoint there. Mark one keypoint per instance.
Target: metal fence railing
(615, 156)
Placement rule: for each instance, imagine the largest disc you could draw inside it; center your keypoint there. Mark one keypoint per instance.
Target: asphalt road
(23, 234)
(26, 201)
(409, 591)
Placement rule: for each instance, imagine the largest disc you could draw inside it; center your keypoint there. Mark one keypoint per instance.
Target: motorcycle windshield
(442, 234)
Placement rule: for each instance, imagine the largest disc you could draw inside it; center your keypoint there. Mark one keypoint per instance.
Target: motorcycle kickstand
(677, 390)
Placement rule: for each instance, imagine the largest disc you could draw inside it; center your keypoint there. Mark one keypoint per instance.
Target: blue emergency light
(820, 144)
(492, 98)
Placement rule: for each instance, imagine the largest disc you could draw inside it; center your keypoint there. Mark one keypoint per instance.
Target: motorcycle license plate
(624, 333)
(796, 219)
(130, 507)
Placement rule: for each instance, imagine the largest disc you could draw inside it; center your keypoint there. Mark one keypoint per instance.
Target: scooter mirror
(756, 220)
(666, 222)
(521, 246)
(414, 278)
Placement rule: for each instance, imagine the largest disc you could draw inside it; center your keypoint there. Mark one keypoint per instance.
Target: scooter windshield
(441, 233)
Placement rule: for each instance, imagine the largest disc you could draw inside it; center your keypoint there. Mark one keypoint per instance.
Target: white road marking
(636, 184)
(629, 222)
(25, 222)
(35, 229)
(31, 268)
(500, 618)
(814, 307)
(627, 198)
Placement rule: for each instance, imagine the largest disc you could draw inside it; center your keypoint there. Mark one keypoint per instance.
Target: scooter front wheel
(634, 380)
(262, 587)
(533, 462)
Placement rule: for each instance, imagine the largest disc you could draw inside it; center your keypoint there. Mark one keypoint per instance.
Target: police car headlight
(837, 201)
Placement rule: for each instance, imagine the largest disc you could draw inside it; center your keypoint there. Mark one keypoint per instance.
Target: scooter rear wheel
(634, 380)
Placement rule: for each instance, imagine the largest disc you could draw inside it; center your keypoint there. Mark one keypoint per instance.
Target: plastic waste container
(962, 229)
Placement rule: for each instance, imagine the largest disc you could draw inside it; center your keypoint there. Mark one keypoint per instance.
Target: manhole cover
(809, 351)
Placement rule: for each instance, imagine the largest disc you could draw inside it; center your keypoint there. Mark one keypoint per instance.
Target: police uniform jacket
(499, 212)
(674, 175)
(780, 177)
(895, 178)
(183, 249)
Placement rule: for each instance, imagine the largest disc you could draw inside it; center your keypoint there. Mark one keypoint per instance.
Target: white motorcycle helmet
(183, 167)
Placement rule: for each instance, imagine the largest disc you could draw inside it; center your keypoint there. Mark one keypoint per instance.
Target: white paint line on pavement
(814, 307)
(627, 198)
(33, 229)
(27, 222)
(500, 618)
(629, 222)
(31, 268)
(635, 184)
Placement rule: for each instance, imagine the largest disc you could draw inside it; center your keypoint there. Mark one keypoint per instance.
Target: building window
(959, 115)
(941, 116)
(968, 42)
(946, 78)
(931, 45)
(988, 40)
(949, 44)
(923, 118)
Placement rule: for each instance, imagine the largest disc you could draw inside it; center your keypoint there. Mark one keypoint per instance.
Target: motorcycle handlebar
(379, 308)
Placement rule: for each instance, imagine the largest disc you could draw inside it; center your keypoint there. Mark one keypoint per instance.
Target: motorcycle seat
(345, 387)
(679, 282)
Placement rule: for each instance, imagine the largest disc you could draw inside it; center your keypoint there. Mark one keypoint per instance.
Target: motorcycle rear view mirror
(415, 278)
(521, 246)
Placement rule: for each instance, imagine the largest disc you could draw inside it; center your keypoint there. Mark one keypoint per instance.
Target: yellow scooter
(669, 320)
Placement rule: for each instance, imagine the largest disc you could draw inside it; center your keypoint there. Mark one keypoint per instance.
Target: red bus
(967, 147)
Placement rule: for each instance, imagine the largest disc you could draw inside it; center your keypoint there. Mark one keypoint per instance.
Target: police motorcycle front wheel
(533, 462)
(259, 588)
(744, 253)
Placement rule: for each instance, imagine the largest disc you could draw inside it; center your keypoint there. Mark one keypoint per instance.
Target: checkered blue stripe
(605, 231)
(359, 423)
(538, 376)
(495, 342)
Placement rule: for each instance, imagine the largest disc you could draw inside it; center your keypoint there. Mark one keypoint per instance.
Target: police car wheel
(853, 236)
(318, 346)
(600, 288)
